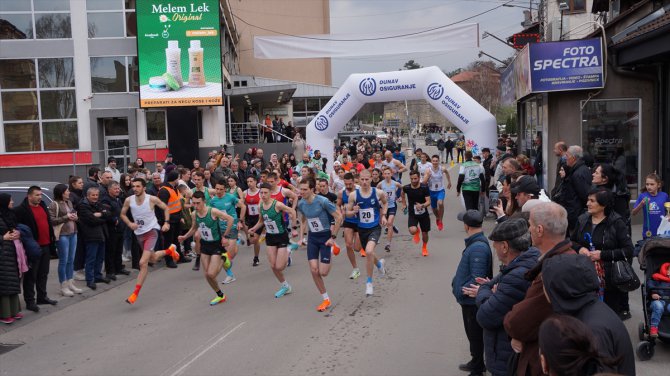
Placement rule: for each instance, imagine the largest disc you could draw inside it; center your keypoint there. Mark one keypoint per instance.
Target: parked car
(431, 138)
(381, 135)
(19, 190)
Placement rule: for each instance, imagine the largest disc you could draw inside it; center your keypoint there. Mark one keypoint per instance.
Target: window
(36, 19)
(156, 126)
(111, 18)
(39, 107)
(114, 74)
(576, 6)
(306, 109)
(611, 134)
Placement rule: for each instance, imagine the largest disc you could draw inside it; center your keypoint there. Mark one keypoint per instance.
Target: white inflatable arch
(478, 125)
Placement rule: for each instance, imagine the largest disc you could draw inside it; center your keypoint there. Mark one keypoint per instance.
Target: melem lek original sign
(566, 65)
(179, 53)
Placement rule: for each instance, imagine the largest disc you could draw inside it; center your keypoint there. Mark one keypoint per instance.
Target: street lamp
(563, 6)
(487, 34)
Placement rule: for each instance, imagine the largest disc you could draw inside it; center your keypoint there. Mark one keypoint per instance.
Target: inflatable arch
(478, 125)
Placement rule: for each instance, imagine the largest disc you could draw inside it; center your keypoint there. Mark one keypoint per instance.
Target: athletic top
(279, 196)
(471, 171)
(272, 219)
(144, 217)
(436, 180)
(317, 213)
(414, 196)
(252, 201)
(209, 227)
(226, 204)
(208, 198)
(423, 167)
(332, 197)
(368, 212)
(391, 191)
(394, 168)
(345, 201)
(338, 184)
(235, 193)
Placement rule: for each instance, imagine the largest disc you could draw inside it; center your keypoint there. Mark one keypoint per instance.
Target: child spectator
(659, 287)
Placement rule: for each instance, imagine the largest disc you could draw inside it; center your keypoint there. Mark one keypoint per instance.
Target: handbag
(58, 228)
(623, 276)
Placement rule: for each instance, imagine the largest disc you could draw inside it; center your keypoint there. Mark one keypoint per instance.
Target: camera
(493, 199)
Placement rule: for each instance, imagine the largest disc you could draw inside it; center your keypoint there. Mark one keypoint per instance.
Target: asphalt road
(411, 326)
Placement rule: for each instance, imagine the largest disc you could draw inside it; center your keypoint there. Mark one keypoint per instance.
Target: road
(411, 326)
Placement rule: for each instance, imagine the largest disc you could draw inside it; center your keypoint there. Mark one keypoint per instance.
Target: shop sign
(566, 65)
(179, 53)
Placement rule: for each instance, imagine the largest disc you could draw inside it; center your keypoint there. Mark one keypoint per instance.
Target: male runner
(276, 238)
(283, 195)
(227, 203)
(393, 190)
(433, 177)
(198, 179)
(350, 224)
(206, 220)
(316, 212)
(367, 202)
(395, 165)
(324, 191)
(252, 199)
(145, 226)
(418, 196)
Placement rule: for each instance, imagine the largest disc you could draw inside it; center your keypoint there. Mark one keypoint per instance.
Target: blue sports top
(391, 191)
(368, 213)
(345, 201)
(317, 213)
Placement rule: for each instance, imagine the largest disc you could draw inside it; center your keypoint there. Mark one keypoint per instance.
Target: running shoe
(256, 261)
(416, 237)
(226, 260)
(440, 225)
(217, 300)
(395, 229)
(324, 305)
(335, 249)
(293, 246)
(381, 268)
(172, 252)
(196, 265)
(240, 241)
(424, 251)
(283, 291)
(355, 274)
(386, 230)
(363, 254)
(368, 289)
(132, 298)
(229, 279)
(387, 248)
(262, 239)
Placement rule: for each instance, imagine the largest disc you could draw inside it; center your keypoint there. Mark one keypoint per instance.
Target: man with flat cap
(475, 263)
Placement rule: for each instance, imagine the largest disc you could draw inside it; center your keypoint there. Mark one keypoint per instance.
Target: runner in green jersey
(228, 203)
(198, 179)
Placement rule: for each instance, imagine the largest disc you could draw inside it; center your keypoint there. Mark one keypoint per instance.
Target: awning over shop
(250, 96)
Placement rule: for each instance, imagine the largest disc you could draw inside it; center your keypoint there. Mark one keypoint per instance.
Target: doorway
(117, 141)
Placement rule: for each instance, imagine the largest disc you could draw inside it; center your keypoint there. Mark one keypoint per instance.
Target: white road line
(203, 351)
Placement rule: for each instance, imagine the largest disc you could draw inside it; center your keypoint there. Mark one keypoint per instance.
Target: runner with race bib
(198, 179)
(419, 199)
(350, 225)
(252, 198)
(393, 191)
(433, 177)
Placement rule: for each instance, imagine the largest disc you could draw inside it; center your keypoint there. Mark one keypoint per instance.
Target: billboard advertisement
(566, 65)
(179, 53)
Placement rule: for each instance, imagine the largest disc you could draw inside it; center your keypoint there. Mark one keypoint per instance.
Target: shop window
(611, 134)
(156, 126)
(51, 19)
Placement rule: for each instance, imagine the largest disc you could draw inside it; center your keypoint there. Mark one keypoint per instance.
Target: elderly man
(240, 175)
(511, 242)
(223, 171)
(93, 218)
(548, 224)
(475, 263)
(156, 184)
(577, 190)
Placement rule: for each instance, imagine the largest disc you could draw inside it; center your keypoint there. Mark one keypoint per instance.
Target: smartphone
(493, 199)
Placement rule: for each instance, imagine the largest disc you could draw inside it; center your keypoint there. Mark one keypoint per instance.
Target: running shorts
(317, 248)
(277, 240)
(148, 240)
(350, 225)
(369, 235)
(423, 221)
(251, 221)
(211, 248)
(436, 196)
(391, 211)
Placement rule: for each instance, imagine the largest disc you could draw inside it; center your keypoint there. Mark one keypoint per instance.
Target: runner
(228, 203)
(418, 196)
(393, 191)
(366, 202)
(145, 226)
(283, 195)
(395, 165)
(277, 237)
(252, 198)
(433, 177)
(424, 164)
(206, 220)
(316, 212)
(198, 179)
(350, 224)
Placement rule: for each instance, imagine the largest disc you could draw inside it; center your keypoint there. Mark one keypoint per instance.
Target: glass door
(117, 142)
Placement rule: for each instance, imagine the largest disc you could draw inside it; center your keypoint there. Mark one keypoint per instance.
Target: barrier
(478, 125)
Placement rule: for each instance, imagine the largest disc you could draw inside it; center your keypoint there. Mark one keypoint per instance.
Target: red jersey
(279, 195)
(252, 201)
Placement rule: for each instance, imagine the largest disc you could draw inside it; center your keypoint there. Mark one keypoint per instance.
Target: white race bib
(315, 225)
(367, 215)
(205, 233)
(140, 224)
(418, 210)
(253, 209)
(271, 227)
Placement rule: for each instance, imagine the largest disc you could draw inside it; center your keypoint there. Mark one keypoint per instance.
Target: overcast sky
(351, 16)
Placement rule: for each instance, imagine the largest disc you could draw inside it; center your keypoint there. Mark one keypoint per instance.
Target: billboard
(566, 65)
(179, 53)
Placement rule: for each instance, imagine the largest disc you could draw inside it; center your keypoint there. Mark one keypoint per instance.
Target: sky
(351, 16)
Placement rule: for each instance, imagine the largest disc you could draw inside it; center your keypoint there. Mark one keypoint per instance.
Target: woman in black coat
(602, 235)
(10, 281)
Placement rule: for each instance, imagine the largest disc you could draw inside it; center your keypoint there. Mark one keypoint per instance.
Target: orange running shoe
(336, 249)
(324, 305)
(424, 251)
(172, 252)
(363, 254)
(440, 225)
(132, 298)
(416, 237)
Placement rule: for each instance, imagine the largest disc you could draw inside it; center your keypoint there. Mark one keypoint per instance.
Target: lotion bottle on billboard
(196, 72)
(173, 59)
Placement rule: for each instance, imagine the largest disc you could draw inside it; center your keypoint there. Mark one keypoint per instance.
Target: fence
(253, 133)
(123, 155)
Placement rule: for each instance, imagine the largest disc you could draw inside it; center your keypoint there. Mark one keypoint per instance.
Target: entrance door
(117, 141)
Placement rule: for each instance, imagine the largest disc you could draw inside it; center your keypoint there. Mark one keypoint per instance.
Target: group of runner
(270, 213)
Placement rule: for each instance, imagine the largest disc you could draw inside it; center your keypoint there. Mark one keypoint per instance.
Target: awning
(249, 96)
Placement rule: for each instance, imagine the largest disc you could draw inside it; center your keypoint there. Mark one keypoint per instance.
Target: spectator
(10, 273)
(486, 163)
(538, 163)
(460, 149)
(169, 165)
(568, 348)
(440, 147)
(160, 170)
(548, 224)
(267, 129)
(475, 263)
(524, 189)
(511, 242)
(570, 285)
(139, 164)
(126, 184)
(449, 148)
(76, 185)
(92, 181)
(602, 235)
(472, 181)
(239, 174)
(63, 215)
(576, 190)
(156, 184)
(115, 229)
(560, 149)
(223, 171)
(659, 289)
(93, 218)
(111, 167)
(524, 161)
(606, 176)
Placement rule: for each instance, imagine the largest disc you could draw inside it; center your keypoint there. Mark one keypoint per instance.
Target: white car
(381, 135)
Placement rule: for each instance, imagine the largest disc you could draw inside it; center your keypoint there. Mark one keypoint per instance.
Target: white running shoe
(381, 268)
(355, 274)
(368, 289)
(229, 279)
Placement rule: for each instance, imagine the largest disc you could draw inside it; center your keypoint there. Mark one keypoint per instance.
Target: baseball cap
(509, 229)
(172, 176)
(472, 218)
(111, 159)
(169, 155)
(526, 184)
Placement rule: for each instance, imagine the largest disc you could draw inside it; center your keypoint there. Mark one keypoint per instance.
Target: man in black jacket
(93, 219)
(115, 228)
(579, 184)
(33, 213)
(449, 148)
(538, 164)
(93, 179)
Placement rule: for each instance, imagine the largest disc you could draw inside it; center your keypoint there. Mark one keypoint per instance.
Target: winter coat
(493, 307)
(476, 261)
(615, 244)
(576, 191)
(25, 215)
(523, 321)
(114, 206)
(10, 282)
(93, 229)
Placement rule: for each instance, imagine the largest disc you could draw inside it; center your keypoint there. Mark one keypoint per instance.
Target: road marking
(202, 352)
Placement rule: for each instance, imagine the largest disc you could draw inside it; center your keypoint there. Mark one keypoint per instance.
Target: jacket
(573, 295)
(576, 190)
(476, 261)
(523, 321)
(615, 244)
(511, 289)
(25, 215)
(114, 206)
(10, 282)
(62, 208)
(93, 229)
